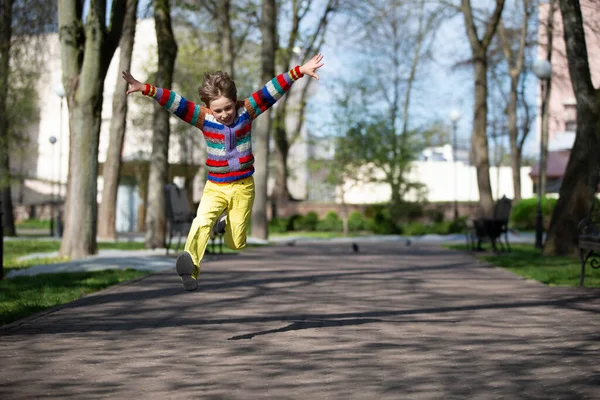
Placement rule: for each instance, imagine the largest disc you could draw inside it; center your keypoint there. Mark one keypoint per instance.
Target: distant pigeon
(408, 243)
(291, 243)
(355, 247)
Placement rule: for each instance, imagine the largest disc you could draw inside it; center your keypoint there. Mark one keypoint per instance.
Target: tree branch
(523, 39)
(210, 6)
(115, 28)
(492, 24)
(470, 24)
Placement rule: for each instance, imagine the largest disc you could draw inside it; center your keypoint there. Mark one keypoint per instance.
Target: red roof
(556, 164)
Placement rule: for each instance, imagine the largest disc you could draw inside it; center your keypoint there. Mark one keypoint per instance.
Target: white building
(444, 181)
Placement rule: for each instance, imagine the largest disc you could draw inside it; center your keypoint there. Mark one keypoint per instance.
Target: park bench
(491, 228)
(589, 240)
(179, 214)
(180, 217)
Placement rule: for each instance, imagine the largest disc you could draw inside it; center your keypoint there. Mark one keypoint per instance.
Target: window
(571, 126)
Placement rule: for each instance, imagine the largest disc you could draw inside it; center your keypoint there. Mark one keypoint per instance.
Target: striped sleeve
(261, 100)
(176, 104)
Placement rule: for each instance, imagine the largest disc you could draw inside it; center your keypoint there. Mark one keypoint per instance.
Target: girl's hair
(215, 85)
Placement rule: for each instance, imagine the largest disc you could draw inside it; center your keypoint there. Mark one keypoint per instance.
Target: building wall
(562, 103)
(444, 181)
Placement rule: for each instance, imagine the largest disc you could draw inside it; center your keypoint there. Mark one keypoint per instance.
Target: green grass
(527, 261)
(315, 234)
(26, 295)
(13, 249)
(33, 224)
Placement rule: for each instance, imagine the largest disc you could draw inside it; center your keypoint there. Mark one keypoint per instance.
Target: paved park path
(315, 322)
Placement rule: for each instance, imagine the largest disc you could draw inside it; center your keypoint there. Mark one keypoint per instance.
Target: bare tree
(22, 53)
(581, 178)
(6, 208)
(262, 126)
(515, 59)
(112, 166)
(479, 141)
(159, 163)
(308, 42)
(396, 39)
(87, 47)
(225, 32)
(549, 34)
(226, 14)
(7, 221)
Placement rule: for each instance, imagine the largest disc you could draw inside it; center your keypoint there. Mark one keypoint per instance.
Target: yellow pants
(237, 198)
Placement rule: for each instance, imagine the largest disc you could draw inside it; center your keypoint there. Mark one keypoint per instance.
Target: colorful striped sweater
(229, 148)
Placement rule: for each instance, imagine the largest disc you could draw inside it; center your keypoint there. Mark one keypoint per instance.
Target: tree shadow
(326, 323)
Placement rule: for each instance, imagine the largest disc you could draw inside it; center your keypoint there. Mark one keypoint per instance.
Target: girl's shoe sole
(185, 267)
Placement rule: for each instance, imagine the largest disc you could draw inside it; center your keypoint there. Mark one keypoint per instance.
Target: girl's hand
(312, 65)
(134, 85)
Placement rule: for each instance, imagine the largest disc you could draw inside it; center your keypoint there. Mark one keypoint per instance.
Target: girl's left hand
(134, 84)
(312, 65)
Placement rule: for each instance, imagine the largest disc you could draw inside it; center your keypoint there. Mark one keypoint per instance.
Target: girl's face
(223, 109)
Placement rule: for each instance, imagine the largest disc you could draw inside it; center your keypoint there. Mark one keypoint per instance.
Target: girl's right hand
(134, 85)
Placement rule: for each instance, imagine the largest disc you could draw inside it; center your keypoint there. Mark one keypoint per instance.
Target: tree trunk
(515, 61)
(513, 133)
(112, 166)
(159, 163)
(280, 194)
(547, 94)
(8, 220)
(580, 181)
(85, 58)
(543, 162)
(479, 139)
(262, 125)
(226, 48)
(284, 140)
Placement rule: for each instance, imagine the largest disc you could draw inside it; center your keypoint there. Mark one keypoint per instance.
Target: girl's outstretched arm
(261, 100)
(191, 113)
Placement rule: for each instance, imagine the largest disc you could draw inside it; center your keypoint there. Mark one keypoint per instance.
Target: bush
(356, 222)
(458, 225)
(310, 221)
(410, 211)
(523, 214)
(372, 209)
(435, 215)
(278, 225)
(382, 223)
(295, 223)
(438, 228)
(331, 223)
(415, 229)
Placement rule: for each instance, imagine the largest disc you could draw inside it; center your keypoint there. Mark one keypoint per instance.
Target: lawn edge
(82, 300)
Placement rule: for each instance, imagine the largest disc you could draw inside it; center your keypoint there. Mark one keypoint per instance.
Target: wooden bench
(589, 241)
(492, 228)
